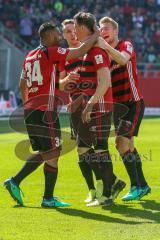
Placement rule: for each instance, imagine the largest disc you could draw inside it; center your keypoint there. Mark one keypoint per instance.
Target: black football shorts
(94, 134)
(128, 117)
(43, 128)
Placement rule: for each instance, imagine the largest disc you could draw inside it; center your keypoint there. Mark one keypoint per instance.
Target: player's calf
(104, 162)
(86, 170)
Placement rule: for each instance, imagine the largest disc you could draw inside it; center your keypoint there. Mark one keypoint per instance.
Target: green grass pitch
(129, 221)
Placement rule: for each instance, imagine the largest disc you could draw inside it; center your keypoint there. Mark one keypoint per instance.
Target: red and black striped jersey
(125, 85)
(40, 70)
(94, 60)
(73, 65)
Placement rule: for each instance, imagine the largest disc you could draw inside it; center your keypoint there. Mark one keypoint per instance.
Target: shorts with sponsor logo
(128, 117)
(43, 128)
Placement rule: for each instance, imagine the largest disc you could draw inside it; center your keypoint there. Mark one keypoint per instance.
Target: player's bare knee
(118, 143)
(131, 144)
(122, 144)
(99, 150)
(82, 150)
(86, 156)
(53, 163)
(51, 156)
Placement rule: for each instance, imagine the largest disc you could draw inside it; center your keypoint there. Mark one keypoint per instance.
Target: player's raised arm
(120, 57)
(84, 47)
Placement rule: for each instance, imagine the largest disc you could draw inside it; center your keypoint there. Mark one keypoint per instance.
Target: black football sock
(114, 179)
(95, 165)
(130, 165)
(106, 168)
(32, 163)
(140, 173)
(86, 170)
(50, 174)
(97, 170)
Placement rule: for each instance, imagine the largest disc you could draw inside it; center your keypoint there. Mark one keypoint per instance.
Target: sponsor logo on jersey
(115, 67)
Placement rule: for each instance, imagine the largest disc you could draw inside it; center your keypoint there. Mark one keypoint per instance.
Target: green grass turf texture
(124, 221)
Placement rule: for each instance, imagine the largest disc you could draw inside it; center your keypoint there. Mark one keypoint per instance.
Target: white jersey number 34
(33, 73)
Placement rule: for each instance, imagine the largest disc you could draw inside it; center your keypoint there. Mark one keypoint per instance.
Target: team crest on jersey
(99, 59)
(61, 50)
(129, 48)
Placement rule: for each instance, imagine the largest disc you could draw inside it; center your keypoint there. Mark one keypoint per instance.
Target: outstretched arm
(120, 57)
(84, 48)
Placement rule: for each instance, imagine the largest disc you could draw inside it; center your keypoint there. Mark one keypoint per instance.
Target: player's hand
(102, 43)
(73, 77)
(75, 104)
(69, 107)
(86, 114)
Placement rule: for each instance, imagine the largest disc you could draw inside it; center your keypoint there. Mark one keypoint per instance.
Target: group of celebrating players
(99, 72)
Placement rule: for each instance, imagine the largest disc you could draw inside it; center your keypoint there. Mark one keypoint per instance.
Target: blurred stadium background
(19, 20)
(139, 22)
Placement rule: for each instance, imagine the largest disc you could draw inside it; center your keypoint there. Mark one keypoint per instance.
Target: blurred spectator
(151, 55)
(26, 29)
(58, 6)
(139, 21)
(7, 100)
(158, 59)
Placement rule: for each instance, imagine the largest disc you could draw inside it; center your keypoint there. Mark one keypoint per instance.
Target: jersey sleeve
(58, 54)
(100, 58)
(127, 47)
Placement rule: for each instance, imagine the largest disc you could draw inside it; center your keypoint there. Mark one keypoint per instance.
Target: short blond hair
(67, 22)
(109, 20)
